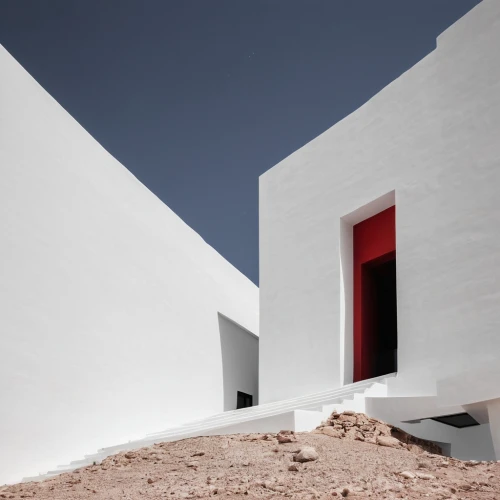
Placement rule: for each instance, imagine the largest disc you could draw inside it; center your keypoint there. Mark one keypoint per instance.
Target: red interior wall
(373, 238)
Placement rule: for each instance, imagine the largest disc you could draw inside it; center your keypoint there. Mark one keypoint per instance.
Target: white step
(309, 401)
(349, 388)
(300, 414)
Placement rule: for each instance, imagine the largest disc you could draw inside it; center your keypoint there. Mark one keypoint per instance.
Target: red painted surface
(374, 240)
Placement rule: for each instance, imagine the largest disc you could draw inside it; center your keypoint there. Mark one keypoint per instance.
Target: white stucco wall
(431, 136)
(109, 322)
(240, 362)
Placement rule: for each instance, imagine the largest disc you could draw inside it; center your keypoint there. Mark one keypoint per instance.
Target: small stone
(330, 431)
(150, 481)
(286, 437)
(199, 454)
(358, 436)
(345, 492)
(306, 454)
(347, 418)
(382, 429)
(388, 441)
(293, 468)
(407, 474)
(423, 475)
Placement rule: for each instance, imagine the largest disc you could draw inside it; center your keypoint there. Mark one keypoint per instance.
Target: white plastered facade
(110, 303)
(428, 142)
(118, 319)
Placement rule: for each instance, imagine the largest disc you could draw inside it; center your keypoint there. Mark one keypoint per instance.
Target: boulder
(306, 454)
(330, 431)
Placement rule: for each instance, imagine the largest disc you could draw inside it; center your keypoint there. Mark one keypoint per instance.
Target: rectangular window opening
(243, 400)
(458, 420)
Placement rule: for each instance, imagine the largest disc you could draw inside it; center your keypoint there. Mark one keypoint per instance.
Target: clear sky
(199, 97)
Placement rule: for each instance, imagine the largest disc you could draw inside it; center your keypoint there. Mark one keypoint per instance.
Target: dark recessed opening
(458, 420)
(243, 400)
(380, 325)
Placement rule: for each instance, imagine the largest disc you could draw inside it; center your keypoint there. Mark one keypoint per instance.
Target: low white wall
(431, 136)
(109, 326)
(470, 443)
(240, 362)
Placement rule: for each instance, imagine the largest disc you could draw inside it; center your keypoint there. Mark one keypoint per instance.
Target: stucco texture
(431, 136)
(109, 325)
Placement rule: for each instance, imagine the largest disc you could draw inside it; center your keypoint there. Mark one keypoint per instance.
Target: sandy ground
(259, 466)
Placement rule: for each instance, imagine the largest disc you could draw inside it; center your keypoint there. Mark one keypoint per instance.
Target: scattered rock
(306, 454)
(347, 418)
(407, 474)
(330, 431)
(286, 437)
(388, 441)
(472, 463)
(358, 427)
(423, 475)
(255, 467)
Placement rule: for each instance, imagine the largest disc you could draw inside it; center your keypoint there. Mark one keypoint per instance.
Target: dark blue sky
(199, 97)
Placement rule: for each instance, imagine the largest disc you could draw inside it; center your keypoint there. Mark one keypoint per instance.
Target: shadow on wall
(240, 362)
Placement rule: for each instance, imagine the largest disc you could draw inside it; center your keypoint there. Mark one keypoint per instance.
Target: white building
(379, 255)
(117, 318)
(428, 145)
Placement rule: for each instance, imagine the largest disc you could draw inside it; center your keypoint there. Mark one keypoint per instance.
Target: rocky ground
(349, 456)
